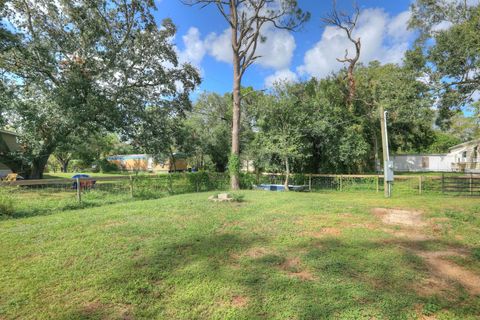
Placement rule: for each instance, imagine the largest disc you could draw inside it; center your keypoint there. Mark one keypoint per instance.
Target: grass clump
(6, 204)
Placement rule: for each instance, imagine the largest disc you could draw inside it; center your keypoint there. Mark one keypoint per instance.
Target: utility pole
(387, 164)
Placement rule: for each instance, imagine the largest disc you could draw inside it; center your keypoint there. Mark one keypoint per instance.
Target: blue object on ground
(279, 187)
(81, 176)
(88, 184)
(271, 187)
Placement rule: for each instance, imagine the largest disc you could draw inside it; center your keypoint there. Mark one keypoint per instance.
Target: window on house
(475, 153)
(464, 154)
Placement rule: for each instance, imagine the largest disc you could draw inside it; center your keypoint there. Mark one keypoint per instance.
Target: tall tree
(89, 64)
(347, 23)
(246, 20)
(447, 51)
(281, 121)
(209, 129)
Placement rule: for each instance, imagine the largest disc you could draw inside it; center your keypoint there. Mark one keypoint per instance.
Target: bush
(6, 204)
(247, 180)
(106, 166)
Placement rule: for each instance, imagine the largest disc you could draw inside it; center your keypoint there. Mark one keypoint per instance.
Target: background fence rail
(32, 197)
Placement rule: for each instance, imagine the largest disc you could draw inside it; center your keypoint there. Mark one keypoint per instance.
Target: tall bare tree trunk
(351, 86)
(237, 79)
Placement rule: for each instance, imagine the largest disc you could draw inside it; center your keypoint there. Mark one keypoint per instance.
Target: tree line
(85, 78)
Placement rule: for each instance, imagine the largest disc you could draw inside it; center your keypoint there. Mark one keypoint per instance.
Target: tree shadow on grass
(206, 276)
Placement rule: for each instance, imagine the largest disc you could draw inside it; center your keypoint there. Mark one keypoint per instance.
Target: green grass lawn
(272, 256)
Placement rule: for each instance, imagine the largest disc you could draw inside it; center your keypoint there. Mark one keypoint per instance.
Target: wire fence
(33, 197)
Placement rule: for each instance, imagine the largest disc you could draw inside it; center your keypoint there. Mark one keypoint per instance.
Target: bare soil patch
(92, 308)
(240, 301)
(443, 273)
(328, 231)
(448, 270)
(400, 217)
(293, 268)
(254, 253)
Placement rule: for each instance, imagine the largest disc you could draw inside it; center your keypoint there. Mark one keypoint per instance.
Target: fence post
(420, 185)
(310, 182)
(471, 184)
(443, 182)
(341, 182)
(131, 186)
(378, 183)
(79, 191)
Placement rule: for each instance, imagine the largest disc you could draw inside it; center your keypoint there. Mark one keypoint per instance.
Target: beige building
(466, 156)
(8, 143)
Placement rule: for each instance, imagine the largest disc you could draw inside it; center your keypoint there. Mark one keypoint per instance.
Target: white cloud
(219, 46)
(383, 38)
(398, 26)
(284, 75)
(194, 47)
(276, 52)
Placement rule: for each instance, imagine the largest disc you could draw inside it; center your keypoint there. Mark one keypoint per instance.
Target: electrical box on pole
(387, 164)
(388, 171)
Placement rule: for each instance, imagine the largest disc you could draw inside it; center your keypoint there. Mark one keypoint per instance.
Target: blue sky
(291, 56)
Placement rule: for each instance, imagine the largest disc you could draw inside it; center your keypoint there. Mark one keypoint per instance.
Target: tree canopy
(84, 65)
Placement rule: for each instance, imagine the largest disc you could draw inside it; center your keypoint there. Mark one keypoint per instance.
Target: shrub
(247, 181)
(106, 166)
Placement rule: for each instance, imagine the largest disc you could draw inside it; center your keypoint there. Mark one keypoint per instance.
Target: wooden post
(420, 185)
(310, 182)
(378, 184)
(131, 186)
(443, 182)
(471, 184)
(79, 191)
(384, 149)
(341, 183)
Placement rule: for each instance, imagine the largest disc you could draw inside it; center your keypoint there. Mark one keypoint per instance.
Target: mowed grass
(272, 256)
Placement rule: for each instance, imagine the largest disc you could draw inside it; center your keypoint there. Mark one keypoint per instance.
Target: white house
(464, 157)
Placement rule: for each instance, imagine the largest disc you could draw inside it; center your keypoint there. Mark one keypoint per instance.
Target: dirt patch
(254, 253)
(92, 308)
(293, 268)
(408, 218)
(443, 274)
(433, 285)
(330, 231)
(369, 226)
(410, 234)
(240, 301)
(448, 270)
